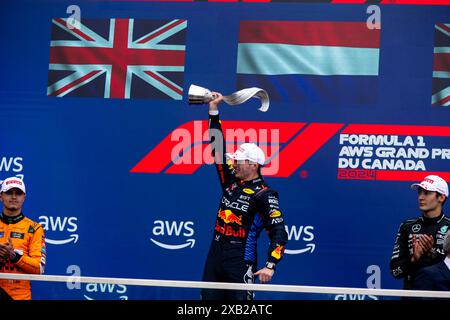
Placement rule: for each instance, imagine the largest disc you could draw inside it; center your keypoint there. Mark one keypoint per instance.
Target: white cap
(13, 182)
(248, 151)
(433, 183)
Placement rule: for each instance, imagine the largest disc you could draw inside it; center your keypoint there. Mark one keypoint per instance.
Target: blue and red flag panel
(117, 58)
(310, 61)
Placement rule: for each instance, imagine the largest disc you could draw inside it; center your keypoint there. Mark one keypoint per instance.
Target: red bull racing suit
(28, 240)
(401, 265)
(245, 209)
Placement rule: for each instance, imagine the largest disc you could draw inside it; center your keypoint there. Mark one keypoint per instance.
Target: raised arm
(217, 141)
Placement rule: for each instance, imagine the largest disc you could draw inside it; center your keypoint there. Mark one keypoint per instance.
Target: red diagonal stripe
(161, 156)
(152, 36)
(311, 139)
(75, 30)
(187, 164)
(443, 26)
(442, 102)
(165, 82)
(74, 83)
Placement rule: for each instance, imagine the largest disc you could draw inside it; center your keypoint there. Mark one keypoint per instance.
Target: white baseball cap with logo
(11, 183)
(433, 183)
(248, 151)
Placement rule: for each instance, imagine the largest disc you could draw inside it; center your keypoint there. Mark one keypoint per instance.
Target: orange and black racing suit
(28, 240)
(245, 209)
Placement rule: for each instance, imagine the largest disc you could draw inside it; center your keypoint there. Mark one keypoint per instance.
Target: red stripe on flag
(154, 35)
(166, 83)
(127, 56)
(119, 68)
(73, 84)
(346, 34)
(74, 30)
(443, 26)
(441, 62)
(397, 130)
(442, 102)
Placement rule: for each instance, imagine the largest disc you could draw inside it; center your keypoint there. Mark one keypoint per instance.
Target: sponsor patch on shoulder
(275, 214)
(248, 191)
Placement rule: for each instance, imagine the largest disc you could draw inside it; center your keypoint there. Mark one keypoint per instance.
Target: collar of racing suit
(434, 220)
(250, 182)
(11, 220)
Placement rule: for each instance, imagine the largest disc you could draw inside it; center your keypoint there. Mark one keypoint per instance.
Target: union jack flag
(441, 65)
(117, 58)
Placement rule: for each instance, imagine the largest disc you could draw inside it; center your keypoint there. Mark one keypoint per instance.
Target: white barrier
(228, 286)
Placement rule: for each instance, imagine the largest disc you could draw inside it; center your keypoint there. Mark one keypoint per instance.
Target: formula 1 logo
(287, 145)
(173, 229)
(59, 225)
(367, 152)
(300, 233)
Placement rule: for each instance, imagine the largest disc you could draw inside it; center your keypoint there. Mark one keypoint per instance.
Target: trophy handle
(200, 95)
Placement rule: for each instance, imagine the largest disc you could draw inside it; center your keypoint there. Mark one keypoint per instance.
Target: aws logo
(355, 297)
(167, 231)
(105, 291)
(14, 164)
(303, 234)
(59, 227)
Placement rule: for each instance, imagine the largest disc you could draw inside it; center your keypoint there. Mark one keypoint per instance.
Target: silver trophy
(200, 95)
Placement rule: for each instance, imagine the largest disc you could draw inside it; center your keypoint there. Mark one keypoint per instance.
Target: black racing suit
(401, 265)
(246, 207)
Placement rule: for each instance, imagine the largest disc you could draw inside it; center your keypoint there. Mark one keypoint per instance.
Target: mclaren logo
(166, 231)
(59, 227)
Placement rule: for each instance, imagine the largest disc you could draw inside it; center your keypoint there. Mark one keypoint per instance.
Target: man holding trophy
(248, 205)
